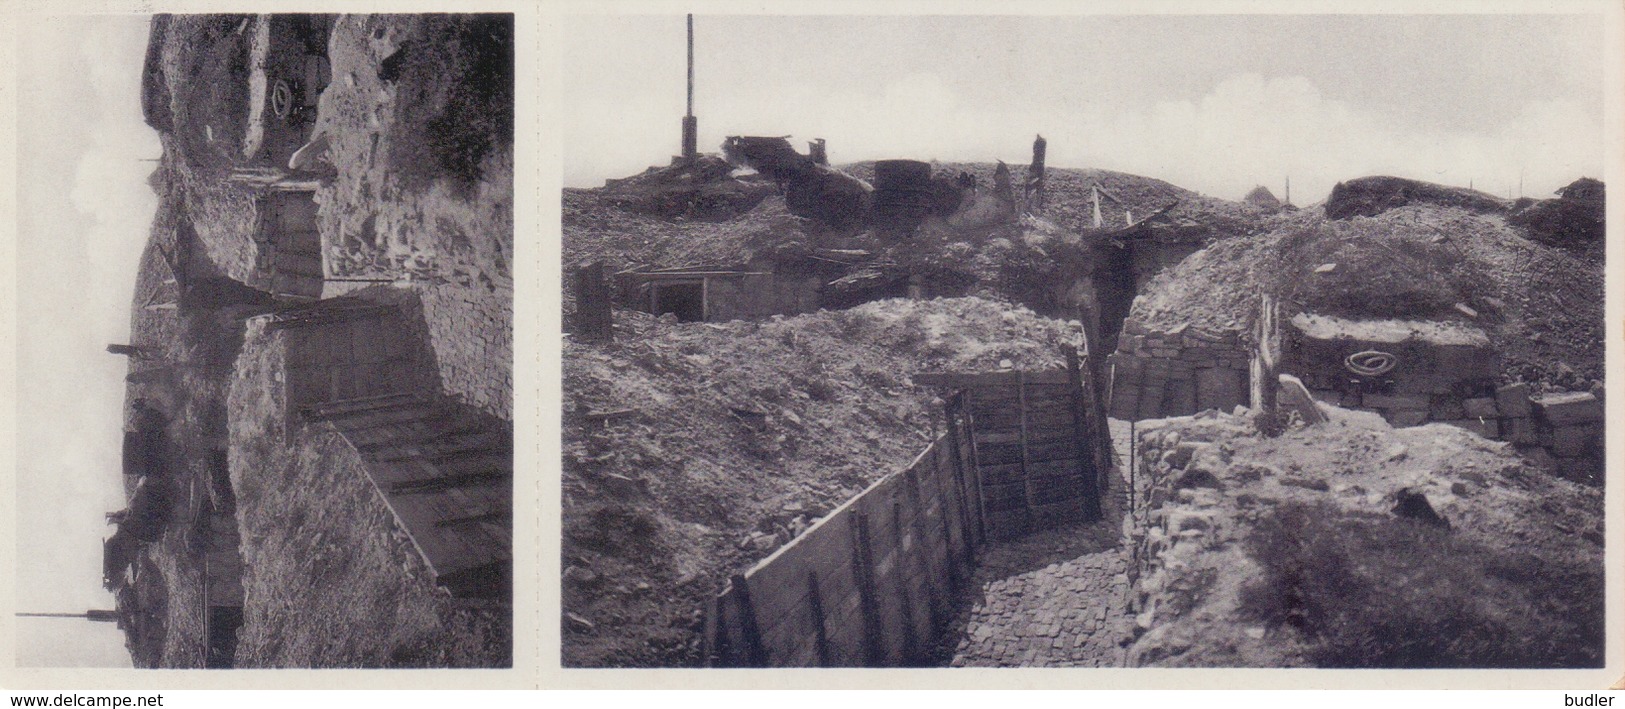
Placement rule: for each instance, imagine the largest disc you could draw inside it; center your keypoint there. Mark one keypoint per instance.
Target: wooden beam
(922, 551)
(874, 640)
(1026, 480)
(958, 461)
(815, 605)
(1081, 435)
(692, 275)
(709, 640)
(755, 653)
(989, 379)
(976, 473)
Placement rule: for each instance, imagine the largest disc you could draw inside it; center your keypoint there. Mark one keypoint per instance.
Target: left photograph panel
(265, 341)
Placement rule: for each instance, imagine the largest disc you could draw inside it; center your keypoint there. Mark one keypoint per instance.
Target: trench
(998, 546)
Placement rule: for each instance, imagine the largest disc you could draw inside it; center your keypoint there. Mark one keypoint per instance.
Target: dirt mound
(1540, 305)
(1296, 553)
(1262, 198)
(1370, 196)
(1031, 260)
(203, 64)
(597, 229)
(691, 450)
(1574, 220)
(1069, 201)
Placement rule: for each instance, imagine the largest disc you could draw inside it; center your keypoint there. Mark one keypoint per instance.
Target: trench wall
(1185, 370)
(1177, 372)
(1453, 381)
(870, 585)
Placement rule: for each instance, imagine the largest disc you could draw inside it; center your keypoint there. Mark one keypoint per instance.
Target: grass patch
(1374, 591)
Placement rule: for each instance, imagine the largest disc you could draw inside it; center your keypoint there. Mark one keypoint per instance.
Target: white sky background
(1216, 104)
(84, 214)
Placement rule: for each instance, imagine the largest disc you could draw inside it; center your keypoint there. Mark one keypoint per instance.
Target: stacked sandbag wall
(1177, 371)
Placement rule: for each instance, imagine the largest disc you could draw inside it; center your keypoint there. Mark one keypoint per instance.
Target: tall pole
(691, 142)
(690, 66)
(103, 616)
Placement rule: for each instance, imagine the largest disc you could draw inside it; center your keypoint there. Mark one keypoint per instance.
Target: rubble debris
(811, 189)
(903, 195)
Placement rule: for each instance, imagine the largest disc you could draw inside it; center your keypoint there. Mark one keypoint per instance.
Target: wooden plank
(826, 549)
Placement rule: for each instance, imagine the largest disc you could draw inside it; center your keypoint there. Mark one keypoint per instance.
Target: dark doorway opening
(685, 300)
(1114, 289)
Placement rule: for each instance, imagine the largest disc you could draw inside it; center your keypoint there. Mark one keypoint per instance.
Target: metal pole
(690, 65)
(691, 142)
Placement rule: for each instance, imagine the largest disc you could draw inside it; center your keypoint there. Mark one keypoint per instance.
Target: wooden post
(1133, 486)
(815, 602)
(962, 498)
(874, 647)
(923, 551)
(709, 644)
(1026, 474)
(755, 654)
(1080, 433)
(902, 587)
(594, 322)
(952, 558)
(1034, 192)
(1094, 194)
(976, 472)
(1265, 361)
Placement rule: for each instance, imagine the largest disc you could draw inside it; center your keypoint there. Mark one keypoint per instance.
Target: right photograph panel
(1087, 342)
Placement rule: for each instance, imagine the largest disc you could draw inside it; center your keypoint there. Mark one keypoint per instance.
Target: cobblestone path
(1057, 598)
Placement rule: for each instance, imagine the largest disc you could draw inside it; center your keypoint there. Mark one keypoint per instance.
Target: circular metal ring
(281, 99)
(1370, 363)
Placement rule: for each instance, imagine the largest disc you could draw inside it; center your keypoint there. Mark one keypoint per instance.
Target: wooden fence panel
(864, 586)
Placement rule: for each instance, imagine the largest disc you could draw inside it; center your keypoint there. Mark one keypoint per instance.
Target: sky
(1217, 104)
(84, 214)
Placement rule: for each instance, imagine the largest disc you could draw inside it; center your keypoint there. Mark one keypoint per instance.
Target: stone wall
(1176, 520)
(1445, 373)
(1177, 372)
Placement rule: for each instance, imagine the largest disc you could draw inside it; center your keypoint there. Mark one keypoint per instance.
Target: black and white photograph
(1083, 341)
(265, 378)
